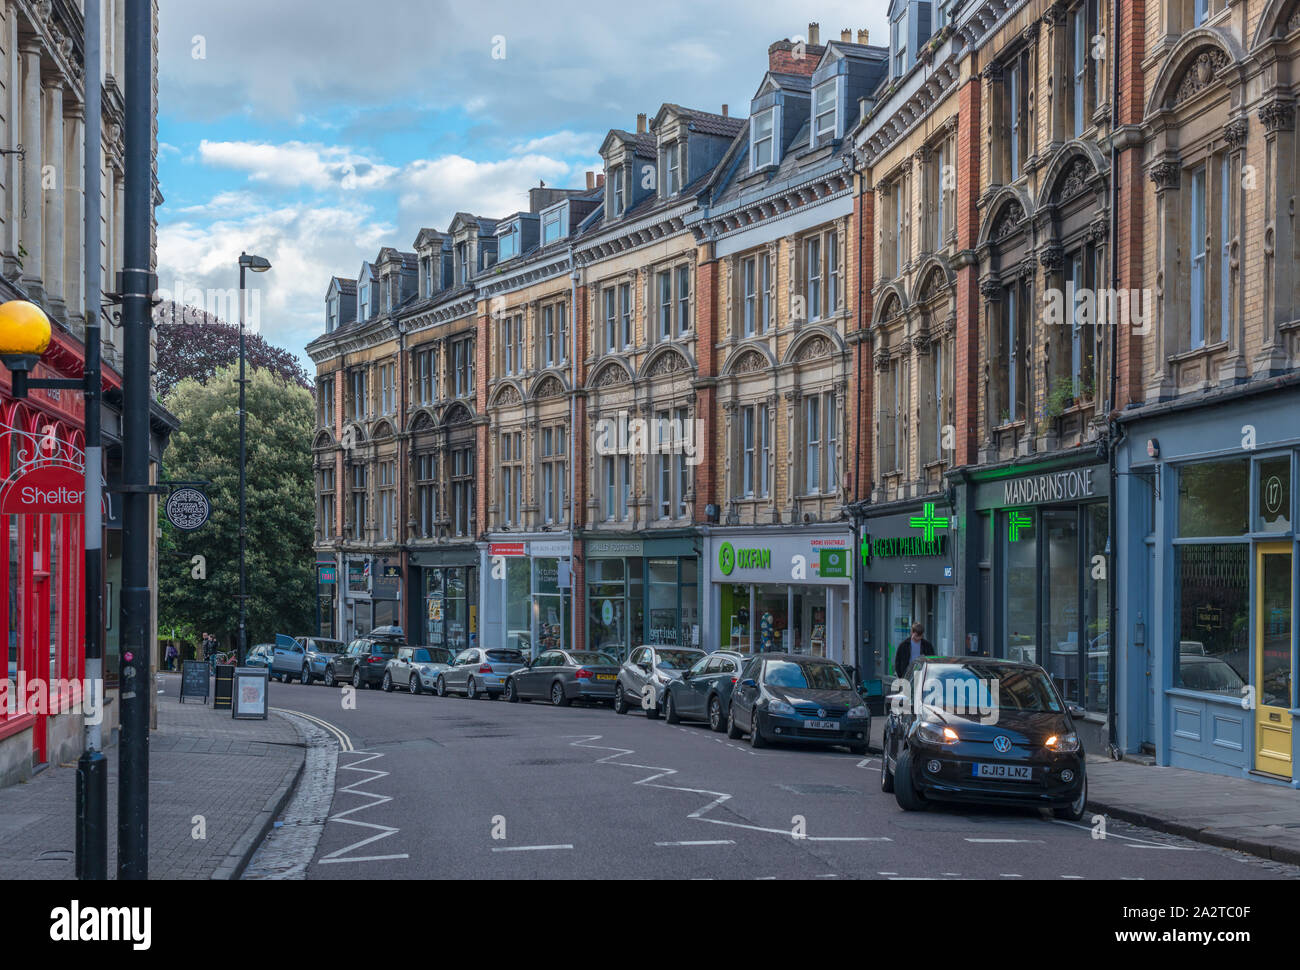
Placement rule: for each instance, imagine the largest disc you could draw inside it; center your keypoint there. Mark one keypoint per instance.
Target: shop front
(1207, 508)
(327, 589)
(443, 598)
(1036, 561)
(642, 591)
(781, 590)
(527, 602)
(906, 560)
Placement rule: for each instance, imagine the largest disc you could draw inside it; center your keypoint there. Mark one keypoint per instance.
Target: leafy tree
(193, 343)
(280, 509)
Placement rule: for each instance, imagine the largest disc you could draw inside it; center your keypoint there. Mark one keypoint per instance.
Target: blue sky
(314, 133)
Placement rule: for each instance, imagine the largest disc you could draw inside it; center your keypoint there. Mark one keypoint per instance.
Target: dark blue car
(704, 691)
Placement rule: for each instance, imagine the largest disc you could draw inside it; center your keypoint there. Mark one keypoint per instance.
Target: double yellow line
(345, 742)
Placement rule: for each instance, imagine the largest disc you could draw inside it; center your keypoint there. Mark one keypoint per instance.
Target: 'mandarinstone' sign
(1068, 486)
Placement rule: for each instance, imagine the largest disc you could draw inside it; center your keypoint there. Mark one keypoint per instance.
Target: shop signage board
(327, 575)
(252, 698)
(46, 490)
(909, 547)
(388, 583)
(195, 677)
(776, 558)
(508, 550)
(1058, 487)
(188, 509)
(358, 581)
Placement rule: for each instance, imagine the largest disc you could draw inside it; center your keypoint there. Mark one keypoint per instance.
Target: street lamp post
(257, 265)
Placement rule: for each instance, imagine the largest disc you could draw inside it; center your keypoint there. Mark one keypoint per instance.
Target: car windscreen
(505, 656)
(593, 660)
(328, 646)
(432, 655)
(986, 687)
(676, 659)
(798, 675)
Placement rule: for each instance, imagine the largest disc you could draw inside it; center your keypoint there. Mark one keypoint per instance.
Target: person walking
(911, 650)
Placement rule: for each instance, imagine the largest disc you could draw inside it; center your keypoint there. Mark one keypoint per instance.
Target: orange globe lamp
(24, 337)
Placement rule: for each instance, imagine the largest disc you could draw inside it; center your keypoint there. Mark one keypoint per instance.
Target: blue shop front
(1207, 552)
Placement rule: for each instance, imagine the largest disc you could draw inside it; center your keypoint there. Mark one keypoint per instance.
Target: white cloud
(435, 190)
(295, 164)
(565, 144)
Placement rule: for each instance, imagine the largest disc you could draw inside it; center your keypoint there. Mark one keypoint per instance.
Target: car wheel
(415, 687)
(905, 793)
(670, 709)
(356, 679)
(717, 722)
(886, 776)
(512, 693)
(620, 701)
(306, 677)
(440, 688)
(388, 682)
(733, 730)
(471, 689)
(756, 739)
(558, 697)
(1075, 811)
(329, 677)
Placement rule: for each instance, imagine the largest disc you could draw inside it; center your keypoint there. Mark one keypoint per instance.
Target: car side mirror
(1075, 710)
(686, 675)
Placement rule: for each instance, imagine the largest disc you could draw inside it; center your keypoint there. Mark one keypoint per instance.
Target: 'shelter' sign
(51, 490)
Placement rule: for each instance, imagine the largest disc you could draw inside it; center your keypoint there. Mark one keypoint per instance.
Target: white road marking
(665, 845)
(1072, 877)
(532, 848)
(1006, 841)
(382, 831)
(1141, 843)
(1011, 875)
(345, 742)
(886, 874)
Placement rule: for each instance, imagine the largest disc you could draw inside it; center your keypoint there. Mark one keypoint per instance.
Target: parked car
(320, 651)
(366, 658)
(564, 676)
(704, 692)
(647, 673)
(1016, 746)
(260, 656)
(415, 667)
(1209, 674)
(289, 661)
(782, 697)
(477, 672)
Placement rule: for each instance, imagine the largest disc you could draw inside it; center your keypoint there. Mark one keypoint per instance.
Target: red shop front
(42, 583)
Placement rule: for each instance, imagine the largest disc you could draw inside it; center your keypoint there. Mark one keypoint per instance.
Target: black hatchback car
(366, 658)
(983, 730)
(787, 697)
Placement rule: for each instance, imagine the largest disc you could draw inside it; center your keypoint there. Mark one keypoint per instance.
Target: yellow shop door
(1273, 647)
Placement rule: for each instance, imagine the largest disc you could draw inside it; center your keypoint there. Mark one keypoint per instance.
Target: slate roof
(709, 123)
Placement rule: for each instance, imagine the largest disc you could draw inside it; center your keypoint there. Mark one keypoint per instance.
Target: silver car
(415, 668)
(646, 675)
(320, 652)
(479, 672)
(565, 676)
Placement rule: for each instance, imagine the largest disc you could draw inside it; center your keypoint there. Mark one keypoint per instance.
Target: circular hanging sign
(188, 509)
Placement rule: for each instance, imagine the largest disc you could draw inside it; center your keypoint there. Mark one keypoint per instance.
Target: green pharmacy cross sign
(1019, 521)
(929, 522)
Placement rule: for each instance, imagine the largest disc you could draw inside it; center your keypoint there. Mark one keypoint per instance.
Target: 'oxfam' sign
(730, 559)
(727, 559)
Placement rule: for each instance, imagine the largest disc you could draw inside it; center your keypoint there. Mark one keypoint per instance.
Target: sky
(316, 132)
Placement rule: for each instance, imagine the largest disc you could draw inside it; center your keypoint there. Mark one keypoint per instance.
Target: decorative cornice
(1278, 115)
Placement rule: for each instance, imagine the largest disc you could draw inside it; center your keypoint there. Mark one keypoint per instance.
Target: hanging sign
(46, 490)
(188, 509)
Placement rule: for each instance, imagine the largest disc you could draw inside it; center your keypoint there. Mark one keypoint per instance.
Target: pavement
(216, 786)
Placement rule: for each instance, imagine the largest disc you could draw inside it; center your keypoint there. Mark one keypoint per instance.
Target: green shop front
(905, 554)
(781, 590)
(1035, 558)
(642, 591)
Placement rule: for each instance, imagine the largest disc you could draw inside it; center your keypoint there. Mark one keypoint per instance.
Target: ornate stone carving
(1026, 269)
(990, 288)
(668, 365)
(509, 397)
(1278, 115)
(750, 362)
(1075, 180)
(1099, 230)
(612, 376)
(1200, 74)
(882, 361)
(1012, 216)
(815, 349)
(1235, 131)
(548, 388)
(1165, 175)
(992, 72)
(1052, 258)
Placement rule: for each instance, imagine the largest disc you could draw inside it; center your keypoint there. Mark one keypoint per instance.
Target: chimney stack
(726, 112)
(600, 180)
(814, 34)
(846, 35)
(591, 181)
(864, 37)
(640, 124)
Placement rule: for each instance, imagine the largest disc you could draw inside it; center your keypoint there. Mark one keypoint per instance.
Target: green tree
(280, 509)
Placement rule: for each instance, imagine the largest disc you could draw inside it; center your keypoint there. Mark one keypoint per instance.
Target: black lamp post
(257, 265)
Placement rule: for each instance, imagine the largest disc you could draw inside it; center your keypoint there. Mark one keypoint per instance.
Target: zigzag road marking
(382, 831)
(700, 815)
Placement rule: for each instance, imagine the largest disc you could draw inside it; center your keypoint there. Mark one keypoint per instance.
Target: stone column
(74, 194)
(52, 174)
(31, 240)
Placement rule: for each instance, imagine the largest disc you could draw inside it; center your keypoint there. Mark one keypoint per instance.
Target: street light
(257, 265)
(24, 336)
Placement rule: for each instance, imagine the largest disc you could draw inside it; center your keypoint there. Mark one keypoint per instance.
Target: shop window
(1214, 499)
(1213, 650)
(518, 606)
(1061, 601)
(1274, 500)
(1020, 617)
(1096, 608)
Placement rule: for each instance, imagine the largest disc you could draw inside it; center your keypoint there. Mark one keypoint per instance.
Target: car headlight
(1064, 743)
(859, 713)
(780, 708)
(936, 734)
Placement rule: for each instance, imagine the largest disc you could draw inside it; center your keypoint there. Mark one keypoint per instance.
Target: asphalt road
(429, 787)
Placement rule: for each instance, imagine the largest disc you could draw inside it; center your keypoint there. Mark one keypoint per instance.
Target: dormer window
(332, 314)
(462, 261)
(555, 225)
(365, 300)
(617, 199)
(898, 43)
(825, 127)
(426, 276)
(762, 139)
(672, 161)
(508, 243)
